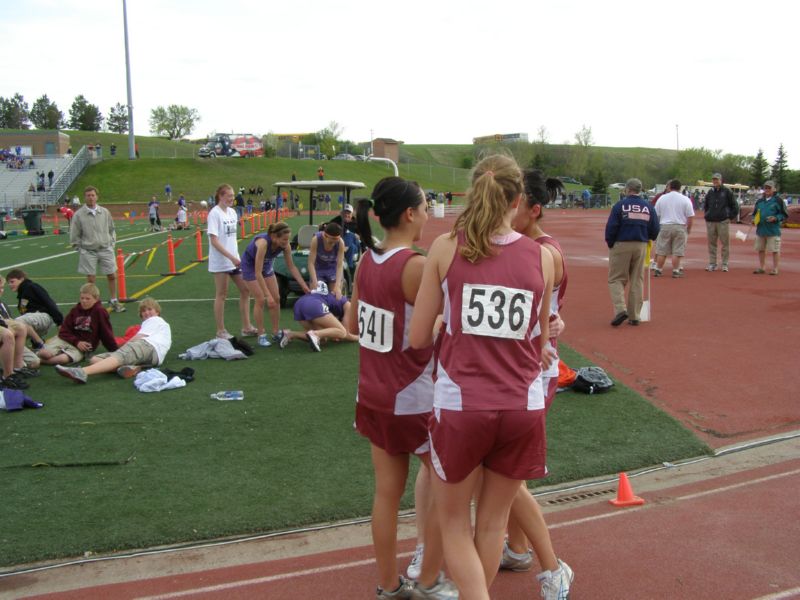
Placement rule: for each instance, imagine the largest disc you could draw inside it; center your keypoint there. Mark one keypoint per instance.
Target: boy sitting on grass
(148, 348)
(86, 325)
(13, 333)
(37, 309)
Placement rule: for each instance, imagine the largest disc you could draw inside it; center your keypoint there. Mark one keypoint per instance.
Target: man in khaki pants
(719, 208)
(93, 235)
(630, 225)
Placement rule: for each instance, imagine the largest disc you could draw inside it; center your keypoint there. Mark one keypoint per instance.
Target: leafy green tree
(84, 115)
(328, 138)
(693, 164)
(118, 119)
(14, 113)
(45, 114)
(174, 121)
(735, 167)
(779, 168)
(792, 183)
(270, 142)
(758, 170)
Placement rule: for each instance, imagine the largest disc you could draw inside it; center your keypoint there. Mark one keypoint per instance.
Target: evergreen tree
(599, 186)
(85, 116)
(45, 114)
(758, 170)
(118, 119)
(779, 168)
(14, 113)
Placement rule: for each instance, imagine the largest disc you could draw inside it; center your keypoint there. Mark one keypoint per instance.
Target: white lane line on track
(793, 593)
(226, 586)
(282, 576)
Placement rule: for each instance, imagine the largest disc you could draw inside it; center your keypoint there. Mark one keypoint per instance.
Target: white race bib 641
(375, 327)
(496, 311)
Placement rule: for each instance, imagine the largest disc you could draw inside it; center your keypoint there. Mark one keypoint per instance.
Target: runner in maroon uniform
(395, 385)
(488, 398)
(526, 521)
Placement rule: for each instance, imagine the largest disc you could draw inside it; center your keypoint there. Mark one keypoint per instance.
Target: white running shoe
(555, 584)
(403, 590)
(415, 566)
(512, 561)
(263, 341)
(443, 589)
(284, 338)
(313, 340)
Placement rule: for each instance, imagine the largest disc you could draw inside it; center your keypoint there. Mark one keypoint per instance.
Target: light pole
(131, 139)
(677, 139)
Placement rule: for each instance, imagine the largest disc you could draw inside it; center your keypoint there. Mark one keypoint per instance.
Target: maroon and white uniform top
(557, 299)
(393, 377)
(488, 358)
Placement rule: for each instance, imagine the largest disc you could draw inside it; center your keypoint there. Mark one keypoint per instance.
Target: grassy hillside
(149, 147)
(136, 181)
(436, 167)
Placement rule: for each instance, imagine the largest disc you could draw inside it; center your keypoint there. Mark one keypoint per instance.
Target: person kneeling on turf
(321, 314)
(86, 325)
(148, 348)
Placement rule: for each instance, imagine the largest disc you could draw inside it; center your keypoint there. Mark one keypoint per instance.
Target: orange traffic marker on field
(625, 495)
(198, 242)
(171, 258)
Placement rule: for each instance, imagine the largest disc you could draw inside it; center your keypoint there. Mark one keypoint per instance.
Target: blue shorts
(249, 272)
(314, 306)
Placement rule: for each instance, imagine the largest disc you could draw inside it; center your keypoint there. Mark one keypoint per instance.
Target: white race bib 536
(496, 311)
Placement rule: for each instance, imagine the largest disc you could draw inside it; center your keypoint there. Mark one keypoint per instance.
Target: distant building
(386, 148)
(500, 138)
(36, 142)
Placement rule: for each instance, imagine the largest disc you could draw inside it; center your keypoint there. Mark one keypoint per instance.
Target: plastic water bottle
(235, 395)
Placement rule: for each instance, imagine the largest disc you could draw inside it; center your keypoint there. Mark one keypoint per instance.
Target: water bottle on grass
(235, 395)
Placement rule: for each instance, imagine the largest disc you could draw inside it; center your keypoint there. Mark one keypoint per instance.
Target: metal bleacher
(15, 183)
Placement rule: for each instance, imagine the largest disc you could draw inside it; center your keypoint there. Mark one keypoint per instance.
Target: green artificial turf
(103, 467)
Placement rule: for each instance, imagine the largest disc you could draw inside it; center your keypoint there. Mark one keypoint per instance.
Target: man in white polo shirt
(675, 213)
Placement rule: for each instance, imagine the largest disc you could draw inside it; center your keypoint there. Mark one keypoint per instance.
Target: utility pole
(131, 138)
(677, 139)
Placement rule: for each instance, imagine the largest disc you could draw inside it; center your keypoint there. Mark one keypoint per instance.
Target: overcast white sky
(433, 71)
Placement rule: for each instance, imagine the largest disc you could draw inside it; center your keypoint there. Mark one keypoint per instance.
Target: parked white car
(617, 186)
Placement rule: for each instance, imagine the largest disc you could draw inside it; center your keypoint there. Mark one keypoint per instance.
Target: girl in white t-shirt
(223, 261)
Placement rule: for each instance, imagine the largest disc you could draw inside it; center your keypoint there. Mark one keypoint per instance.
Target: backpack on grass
(592, 380)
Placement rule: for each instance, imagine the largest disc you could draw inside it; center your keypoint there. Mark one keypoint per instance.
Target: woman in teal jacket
(768, 214)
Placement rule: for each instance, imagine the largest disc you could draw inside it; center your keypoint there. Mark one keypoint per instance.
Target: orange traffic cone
(625, 495)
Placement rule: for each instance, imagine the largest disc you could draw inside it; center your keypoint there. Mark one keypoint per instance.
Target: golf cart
(286, 283)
